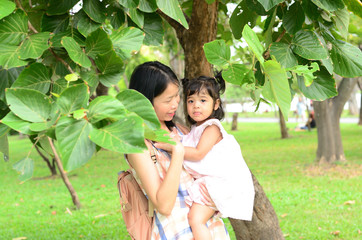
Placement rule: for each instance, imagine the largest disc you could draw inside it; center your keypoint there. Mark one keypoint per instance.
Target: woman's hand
(169, 147)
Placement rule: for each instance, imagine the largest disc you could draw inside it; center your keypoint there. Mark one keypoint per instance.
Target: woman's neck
(164, 126)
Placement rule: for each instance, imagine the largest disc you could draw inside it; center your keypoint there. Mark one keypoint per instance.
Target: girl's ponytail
(220, 81)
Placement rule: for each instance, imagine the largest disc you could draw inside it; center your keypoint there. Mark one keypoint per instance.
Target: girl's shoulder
(210, 122)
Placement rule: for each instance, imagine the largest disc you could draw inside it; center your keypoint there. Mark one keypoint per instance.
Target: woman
(165, 182)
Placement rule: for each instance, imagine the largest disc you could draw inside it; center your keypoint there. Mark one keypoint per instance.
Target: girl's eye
(190, 101)
(203, 100)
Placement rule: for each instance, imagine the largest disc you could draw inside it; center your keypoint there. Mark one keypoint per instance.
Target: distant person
(309, 124)
(213, 158)
(300, 110)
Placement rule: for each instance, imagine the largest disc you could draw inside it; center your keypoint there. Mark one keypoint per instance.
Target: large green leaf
(135, 102)
(75, 52)
(137, 16)
(116, 15)
(35, 76)
(95, 10)
(14, 28)
(34, 45)
(217, 52)
(154, 29)
(341, 21)
(322, 88)
(147, 6)
(347, 59)
(329, 5)
(9, 57)
(6, 7)
(58, 7)
(235, 74)
(311, 10)
(25, 168)
(86, 25)
(124, 136)
(74, 144)
(105, 107)
(8, 77)
(4, 143)
(269, 4)
(127, 40)
(110, 79)
(98, 42)
(276, 88)
(294, 18)
(354, 6)
(73, 98)
(242, 15)
(109, 63)
(30, 105)
(254, 44)
(16, 123)
(54, 24)
(307, 45)
(283, 54)
(129, 3)
(172, 9)
(70, 32)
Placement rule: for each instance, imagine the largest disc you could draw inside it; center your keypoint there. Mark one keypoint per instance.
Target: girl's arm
(161, 193)
(210, 136)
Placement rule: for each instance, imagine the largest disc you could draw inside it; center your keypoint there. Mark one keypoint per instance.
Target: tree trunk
(327, 116)
(51, 165)
(283, 126)
(264, 225)
(352, 103)
(202, 29)
(234, 123)
(65, 178)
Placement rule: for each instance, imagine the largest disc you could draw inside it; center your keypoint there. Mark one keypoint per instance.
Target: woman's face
(166, 103)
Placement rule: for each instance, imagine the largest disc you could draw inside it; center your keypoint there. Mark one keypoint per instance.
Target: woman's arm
(210, 136)
(161, 193)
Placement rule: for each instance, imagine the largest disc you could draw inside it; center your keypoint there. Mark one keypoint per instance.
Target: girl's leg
(198, 216)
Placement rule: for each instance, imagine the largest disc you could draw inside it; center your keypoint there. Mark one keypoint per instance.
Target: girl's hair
(151, 79)
(215, 86)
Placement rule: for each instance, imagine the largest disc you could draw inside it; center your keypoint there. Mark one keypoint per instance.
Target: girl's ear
(217, 104)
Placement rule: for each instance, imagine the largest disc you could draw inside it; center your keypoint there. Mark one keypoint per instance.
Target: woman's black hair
(215, 86)
(151, 79)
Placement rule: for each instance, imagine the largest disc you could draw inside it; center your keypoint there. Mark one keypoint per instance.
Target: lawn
(311, 202)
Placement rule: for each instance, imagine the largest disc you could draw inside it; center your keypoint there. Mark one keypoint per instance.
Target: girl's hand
(208, 201)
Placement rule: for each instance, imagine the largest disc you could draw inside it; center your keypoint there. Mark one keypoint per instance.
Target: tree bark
(51, 165)
(283, 126)
(327, 116)
(65, 178)
(352, 103)
(202, 29)
(234, 123)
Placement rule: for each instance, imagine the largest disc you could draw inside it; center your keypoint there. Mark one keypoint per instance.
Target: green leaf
(147, 6)
(129, 3)
(135, 102)
(86, 25)
(59, 85)
(116, 15)
(341, 21)
(124, 136)
(9, 57)
(4, 145)
(235, 74)
(109, 63)
(95, 10)
(283, 54)
(217, 52)
(269, 4)
(34, 45)
(72, 77)
(110, 79)
(54, 24)
(328, 64)
(307, 45)
(105, 107)
(311, 10)
(58, 7)
(347, 59)
(254, 44)
(241, 16)
(354, 6)
(75, 52)
(25, 168)
(322, 88)
(276, 88)
(294, 18)
(14, 28)
(6, 7)
(74, 144)
(35, 76)
(306, 71)
(158, 135)
(127, 40)
(154, 29)
(137, 17)
(29, 104)
(172, 9)
(73, 98)
(329, 5)
(16, 123)
(71, 32)
(7, 79)
(98, 42)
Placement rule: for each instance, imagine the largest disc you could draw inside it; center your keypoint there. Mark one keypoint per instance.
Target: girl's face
(200, 106)
(166, 103)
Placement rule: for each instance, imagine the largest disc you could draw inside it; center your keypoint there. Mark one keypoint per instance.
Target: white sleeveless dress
(224, 173)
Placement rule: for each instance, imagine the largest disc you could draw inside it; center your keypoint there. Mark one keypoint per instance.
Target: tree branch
(31, 27)
(176, 25)
(344, 92)
(61, 60)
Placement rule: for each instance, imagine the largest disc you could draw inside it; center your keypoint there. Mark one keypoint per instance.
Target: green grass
(311, 202)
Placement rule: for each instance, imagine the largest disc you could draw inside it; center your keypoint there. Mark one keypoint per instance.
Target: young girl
(213, 158)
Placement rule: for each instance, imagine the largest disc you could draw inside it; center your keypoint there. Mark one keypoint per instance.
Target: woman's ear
(217, 104)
